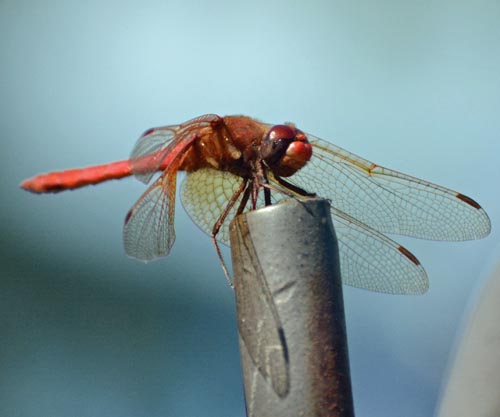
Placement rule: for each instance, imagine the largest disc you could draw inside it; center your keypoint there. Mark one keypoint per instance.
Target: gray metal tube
(290, 312)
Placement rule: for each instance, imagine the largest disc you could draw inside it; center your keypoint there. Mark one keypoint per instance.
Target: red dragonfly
(236, 163)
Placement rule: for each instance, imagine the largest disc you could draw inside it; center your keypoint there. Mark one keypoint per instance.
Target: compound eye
(279, 132)
(276, 142)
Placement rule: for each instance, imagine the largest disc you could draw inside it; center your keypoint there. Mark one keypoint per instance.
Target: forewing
(148, 232)
(153, 149)
(387, 200)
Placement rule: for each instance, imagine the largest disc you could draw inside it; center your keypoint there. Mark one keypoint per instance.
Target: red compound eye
(280, 132)
(275, 143)
(285, 149)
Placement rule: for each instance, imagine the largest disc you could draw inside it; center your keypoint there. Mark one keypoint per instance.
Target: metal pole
(290, 312)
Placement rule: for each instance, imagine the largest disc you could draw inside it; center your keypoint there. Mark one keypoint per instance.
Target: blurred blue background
(86, 331)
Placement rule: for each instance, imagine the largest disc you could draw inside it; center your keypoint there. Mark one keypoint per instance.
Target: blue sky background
(86, 331)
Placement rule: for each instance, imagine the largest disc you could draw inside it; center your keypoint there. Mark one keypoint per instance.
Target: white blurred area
(472, 387)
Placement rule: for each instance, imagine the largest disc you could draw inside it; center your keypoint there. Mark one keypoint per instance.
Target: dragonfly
(236, 163)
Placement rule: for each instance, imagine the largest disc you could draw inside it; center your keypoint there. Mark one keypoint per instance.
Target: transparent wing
(205, 194)
(152, 150)
(368, 259)
(148, 232)
(387, 200)
(371, 260)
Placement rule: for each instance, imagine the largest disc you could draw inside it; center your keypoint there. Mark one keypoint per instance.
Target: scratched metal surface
(290, 312)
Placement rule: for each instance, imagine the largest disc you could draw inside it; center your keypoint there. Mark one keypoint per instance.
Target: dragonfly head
(285, 149)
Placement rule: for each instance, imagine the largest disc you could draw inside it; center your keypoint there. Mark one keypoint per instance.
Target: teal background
(85, 331)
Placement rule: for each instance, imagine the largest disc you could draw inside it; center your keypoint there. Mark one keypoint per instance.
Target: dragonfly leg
(293, 188)
(220, 221)
(229, 279)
